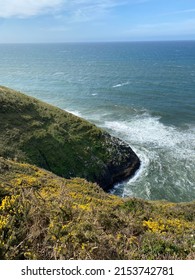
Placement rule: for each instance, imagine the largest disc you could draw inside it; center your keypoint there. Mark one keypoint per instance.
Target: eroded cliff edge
(37, 133)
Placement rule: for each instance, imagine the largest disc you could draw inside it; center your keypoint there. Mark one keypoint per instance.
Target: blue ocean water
(141, 92)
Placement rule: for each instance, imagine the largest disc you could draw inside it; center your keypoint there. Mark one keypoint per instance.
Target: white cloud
(88, 10)
(27, 8)
(85, 10)
(76, 10)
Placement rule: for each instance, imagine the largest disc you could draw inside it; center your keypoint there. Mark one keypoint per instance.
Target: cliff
(45, 216)
(38, 133)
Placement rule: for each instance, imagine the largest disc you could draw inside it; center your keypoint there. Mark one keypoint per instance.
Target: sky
(42, 21)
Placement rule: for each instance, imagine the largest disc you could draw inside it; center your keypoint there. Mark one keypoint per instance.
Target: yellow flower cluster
(178, 225)
(76, 195)
(85, 207)
(3, 222)
(8, 203)
(154, 226)
(24, 180)
(162, 226)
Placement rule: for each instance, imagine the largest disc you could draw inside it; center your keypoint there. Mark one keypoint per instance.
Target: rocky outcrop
(124, 164)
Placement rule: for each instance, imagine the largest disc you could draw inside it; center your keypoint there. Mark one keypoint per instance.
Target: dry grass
(43, 216)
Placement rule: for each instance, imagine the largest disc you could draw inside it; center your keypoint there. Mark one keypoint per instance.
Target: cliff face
(35, 132)
(123, 164)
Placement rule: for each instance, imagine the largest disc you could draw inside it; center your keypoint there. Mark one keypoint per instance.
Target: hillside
(38, 133)
(48, 210)
(43, 216)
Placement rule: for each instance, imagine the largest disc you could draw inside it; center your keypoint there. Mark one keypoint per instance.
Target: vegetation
(38, 133)
(44, 216)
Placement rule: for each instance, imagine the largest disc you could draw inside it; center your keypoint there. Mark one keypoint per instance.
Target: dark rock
(121, 169)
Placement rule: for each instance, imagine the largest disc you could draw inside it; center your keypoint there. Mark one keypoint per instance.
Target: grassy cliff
(35, 132)
(45, 216)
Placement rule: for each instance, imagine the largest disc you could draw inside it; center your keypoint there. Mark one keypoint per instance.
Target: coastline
(45, 216)
(63, 143)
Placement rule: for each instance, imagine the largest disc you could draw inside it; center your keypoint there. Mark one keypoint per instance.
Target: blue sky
(26, 21)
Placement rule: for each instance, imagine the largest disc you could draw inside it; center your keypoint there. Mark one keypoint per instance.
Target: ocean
(140, 92)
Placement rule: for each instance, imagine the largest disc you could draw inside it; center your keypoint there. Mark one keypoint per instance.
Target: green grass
(35, 132)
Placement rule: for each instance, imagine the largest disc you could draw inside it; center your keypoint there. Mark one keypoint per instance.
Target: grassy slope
(43, 216)
(35, 132)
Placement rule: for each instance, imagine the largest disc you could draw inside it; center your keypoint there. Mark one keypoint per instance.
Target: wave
(167, 158)
(58, 73)
(76, 113)
(121, 84)
(147, 130)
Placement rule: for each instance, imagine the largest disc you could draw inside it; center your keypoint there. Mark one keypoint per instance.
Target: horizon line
(98, 42)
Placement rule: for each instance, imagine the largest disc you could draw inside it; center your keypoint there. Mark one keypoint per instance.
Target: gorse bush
(43, 216)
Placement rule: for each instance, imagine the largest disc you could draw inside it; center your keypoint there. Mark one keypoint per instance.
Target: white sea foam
(121, 84)
(76, 113)
(166, 154)
(118, 85)
(58, 73)
(147, 130)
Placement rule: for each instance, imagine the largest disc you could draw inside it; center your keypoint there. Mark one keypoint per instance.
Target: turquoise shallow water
(143, 93)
